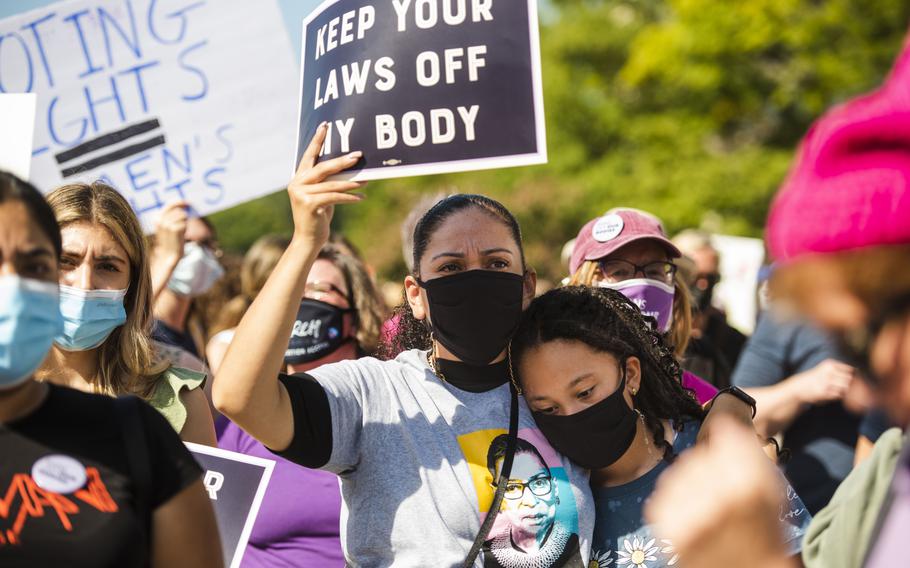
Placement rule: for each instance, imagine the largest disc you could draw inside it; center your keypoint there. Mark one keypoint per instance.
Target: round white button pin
(59, 474)
(607, 228)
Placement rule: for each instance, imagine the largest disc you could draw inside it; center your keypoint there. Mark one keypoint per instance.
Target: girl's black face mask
(595, 437)
(474, 313)
(318, 331)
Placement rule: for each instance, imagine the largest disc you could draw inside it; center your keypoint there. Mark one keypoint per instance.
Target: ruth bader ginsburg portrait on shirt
(537, 525)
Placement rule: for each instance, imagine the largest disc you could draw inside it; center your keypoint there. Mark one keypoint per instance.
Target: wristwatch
(741, 395)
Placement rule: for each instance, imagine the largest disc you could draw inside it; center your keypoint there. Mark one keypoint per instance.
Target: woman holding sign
(411, 438)
(87, 480)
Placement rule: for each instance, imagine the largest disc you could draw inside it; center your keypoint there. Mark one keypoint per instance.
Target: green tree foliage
(690, 109)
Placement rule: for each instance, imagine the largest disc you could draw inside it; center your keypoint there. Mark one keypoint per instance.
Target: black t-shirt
(67, 494)
(312, 443)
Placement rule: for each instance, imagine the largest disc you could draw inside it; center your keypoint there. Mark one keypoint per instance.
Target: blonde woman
(105, 297)
(257, 265)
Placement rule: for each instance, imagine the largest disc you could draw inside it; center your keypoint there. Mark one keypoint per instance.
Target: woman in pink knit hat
(846, 265)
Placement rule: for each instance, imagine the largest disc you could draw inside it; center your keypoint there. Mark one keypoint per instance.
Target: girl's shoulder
(165, 395)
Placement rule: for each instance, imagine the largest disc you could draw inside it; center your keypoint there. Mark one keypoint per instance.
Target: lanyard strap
(501, 482)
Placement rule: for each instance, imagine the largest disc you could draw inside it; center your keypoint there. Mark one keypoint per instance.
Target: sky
(294, 11)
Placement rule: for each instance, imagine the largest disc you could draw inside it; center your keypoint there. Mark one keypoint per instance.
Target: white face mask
(196, 272)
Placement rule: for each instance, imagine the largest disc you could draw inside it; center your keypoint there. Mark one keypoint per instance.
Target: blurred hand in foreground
(720, 501)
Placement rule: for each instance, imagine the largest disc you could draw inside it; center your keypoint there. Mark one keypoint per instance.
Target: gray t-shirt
(414, 456)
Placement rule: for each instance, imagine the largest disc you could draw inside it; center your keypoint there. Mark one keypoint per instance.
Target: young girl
(604, 389)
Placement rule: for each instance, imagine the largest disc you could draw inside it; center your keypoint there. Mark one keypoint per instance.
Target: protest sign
(423, 86)
(236, 484)
(740, 260)
(17, 124)
(163, 99)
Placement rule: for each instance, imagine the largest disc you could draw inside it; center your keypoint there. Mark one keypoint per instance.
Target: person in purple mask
(627, 250)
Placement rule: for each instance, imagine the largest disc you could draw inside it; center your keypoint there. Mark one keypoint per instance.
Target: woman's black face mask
(474, 313)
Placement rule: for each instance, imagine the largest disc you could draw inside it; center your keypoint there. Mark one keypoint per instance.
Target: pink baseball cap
(615, 229)
(849, 187)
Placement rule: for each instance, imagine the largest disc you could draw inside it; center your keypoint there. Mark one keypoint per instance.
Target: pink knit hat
(850, 185)
(615, 229)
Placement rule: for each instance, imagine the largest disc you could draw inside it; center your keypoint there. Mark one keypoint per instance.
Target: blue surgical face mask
(29, 320)
(89, 317)
(196, 272)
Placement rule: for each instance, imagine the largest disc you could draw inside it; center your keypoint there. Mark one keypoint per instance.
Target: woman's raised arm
(246, 387)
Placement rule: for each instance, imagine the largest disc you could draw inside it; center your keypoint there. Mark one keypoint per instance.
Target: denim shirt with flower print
(622, 539)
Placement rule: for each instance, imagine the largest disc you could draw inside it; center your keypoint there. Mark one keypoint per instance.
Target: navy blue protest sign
(236, 484)
(423, 86)
(163, 99)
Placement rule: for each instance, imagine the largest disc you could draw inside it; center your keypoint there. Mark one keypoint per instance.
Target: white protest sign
(740, 260)
(163, 99)
(17, 124)
(236, 484)
(423, 86)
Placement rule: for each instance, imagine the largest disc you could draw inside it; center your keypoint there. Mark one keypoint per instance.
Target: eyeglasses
(619, 270)
(324, 288)
(539, 486)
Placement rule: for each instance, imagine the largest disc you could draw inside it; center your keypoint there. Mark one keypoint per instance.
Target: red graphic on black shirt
(35, 502)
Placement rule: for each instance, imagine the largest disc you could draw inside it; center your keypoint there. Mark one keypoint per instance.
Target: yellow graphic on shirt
(475, 447)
